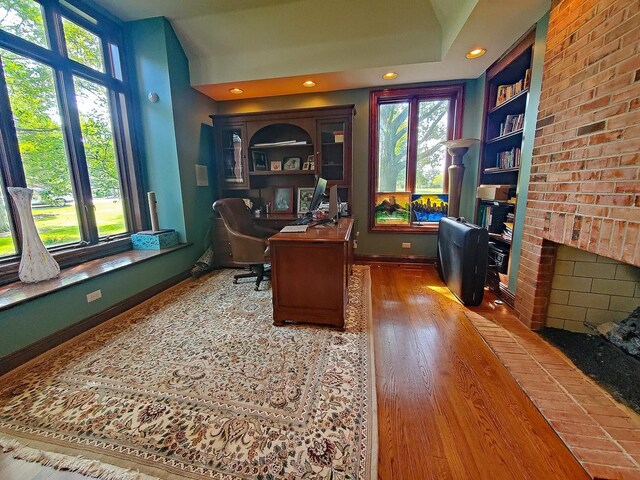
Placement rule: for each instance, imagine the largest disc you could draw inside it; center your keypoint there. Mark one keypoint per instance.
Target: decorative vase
(36, 264)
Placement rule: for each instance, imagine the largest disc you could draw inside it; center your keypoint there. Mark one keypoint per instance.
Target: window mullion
(412, 144)
(11, 171)
(77, 158)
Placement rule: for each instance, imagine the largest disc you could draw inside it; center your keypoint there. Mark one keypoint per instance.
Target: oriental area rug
(198, 383)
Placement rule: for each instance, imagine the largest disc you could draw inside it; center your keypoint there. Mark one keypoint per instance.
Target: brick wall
(592, 289)
(585, 177)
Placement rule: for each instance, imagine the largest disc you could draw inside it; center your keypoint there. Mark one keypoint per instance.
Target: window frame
(452, 92)
(122, 112)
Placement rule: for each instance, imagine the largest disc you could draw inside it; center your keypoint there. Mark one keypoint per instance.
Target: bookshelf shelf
(287, 145)
(517, 103)
(500, 238)
(501, 158)
(507, 136)
(261, 173)
(493, 171)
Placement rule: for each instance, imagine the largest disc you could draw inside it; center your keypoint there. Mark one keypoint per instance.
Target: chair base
(258, 271)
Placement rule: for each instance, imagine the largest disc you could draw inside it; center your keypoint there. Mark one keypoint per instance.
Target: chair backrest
(235, 214)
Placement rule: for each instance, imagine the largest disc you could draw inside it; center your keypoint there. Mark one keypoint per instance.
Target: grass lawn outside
(59, 225)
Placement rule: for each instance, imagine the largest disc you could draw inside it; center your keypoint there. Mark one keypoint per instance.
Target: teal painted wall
(379, 243)
(530, 119)
(173, 135)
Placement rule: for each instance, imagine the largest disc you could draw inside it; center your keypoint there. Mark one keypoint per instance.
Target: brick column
(584, 187)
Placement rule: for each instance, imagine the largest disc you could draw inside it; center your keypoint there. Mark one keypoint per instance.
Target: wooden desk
(310, 274)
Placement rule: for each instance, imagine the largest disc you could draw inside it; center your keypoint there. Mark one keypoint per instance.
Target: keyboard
(302, 221)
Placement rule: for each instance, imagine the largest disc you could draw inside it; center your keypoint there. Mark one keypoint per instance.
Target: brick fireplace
(584, 187)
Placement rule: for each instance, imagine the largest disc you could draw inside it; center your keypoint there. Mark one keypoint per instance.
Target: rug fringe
(79, 464)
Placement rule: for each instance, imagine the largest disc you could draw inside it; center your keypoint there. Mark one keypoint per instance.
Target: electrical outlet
(93, 296)
(355, 244)
(406, 245)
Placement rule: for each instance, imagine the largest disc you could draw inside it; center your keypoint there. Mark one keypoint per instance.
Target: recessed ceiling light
(309, 84)
(236, 91)
(476, 52)
(389, 75)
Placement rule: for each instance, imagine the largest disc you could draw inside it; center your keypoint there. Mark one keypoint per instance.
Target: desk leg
(278, 322)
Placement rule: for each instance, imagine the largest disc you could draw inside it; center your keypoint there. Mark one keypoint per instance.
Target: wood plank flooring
(447, 408)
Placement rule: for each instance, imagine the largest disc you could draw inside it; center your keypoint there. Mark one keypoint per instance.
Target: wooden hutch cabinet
(287, 148)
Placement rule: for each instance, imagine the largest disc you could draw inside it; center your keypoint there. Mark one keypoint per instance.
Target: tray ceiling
(268, 47)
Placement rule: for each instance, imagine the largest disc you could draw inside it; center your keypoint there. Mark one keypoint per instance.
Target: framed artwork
(310, 163)
(392, 208)
(304, 199)
(276, 165)
(428, 208)
(259, 160)
(282, 200)
(291, 163)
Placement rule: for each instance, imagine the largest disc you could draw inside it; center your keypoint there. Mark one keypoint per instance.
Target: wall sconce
(457, 149)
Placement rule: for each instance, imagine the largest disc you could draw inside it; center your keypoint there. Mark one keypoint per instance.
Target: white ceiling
(266, 47)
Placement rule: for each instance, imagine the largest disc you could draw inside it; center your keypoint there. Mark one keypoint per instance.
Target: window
(64, 131)
(408, 164)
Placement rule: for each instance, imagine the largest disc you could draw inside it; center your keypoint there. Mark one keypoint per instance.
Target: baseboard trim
(19, 357)
(394, 259)
(506, 295)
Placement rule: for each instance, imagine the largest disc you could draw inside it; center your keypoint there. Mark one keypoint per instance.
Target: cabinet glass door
(234, 157)
(332, 150)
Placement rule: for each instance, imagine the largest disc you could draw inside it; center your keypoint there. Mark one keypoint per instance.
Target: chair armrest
(247, 249)
(264, 232)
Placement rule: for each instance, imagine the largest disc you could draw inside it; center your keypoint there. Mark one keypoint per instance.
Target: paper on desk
(295, 229)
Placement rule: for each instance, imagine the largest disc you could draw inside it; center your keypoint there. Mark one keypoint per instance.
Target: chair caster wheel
(235, 282)
(256, 289)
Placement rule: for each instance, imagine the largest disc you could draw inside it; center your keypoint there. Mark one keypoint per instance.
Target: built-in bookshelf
(506, 93)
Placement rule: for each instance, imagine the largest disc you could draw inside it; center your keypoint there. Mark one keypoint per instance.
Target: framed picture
(428, 208)
(392, 208)
(282, 200)
(310, 163)
(259, 160)
(276, 165)
(291, 163)
(304, 199)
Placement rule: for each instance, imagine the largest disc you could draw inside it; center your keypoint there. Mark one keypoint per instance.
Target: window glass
(431, 155)
(408, 161)
(23, 18)
(83, 46)
(7, 245)
(39, 129)
(97, 138)
(392, 147)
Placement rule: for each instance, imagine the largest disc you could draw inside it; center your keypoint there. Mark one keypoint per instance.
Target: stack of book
(508, 158)
(505, 92)
(512, 123)
(508, 230)
(492, 217)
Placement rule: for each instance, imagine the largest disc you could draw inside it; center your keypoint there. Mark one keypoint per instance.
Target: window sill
(418, 229)
(15, 293)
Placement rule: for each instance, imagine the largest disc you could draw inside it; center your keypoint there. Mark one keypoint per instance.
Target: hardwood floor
(447, 408)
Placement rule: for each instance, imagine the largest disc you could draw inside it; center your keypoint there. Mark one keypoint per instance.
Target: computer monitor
(318, 193)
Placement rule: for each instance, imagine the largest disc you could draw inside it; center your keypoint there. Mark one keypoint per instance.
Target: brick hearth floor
(602, 434)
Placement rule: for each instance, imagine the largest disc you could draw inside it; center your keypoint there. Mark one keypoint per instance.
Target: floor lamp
(457, 149)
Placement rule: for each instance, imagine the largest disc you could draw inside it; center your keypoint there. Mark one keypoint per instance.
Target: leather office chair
(248, 241)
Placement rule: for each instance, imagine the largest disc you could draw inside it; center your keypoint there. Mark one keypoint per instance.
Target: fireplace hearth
(613, 369)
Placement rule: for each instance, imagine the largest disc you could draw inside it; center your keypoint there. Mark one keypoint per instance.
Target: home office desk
(310, 274)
